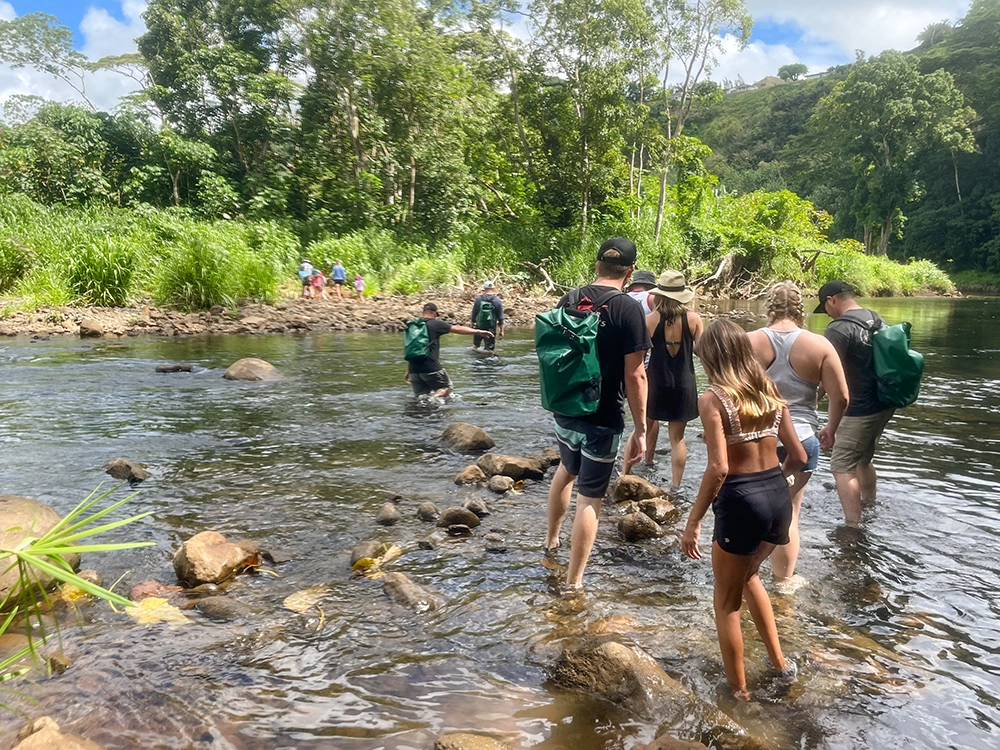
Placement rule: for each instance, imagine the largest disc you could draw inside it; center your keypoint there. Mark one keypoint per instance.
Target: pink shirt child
(318, 280)
(359, 284)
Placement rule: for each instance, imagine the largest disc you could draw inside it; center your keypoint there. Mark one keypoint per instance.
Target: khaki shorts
(856, 440)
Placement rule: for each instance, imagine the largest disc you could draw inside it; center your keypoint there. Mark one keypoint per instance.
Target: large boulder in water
(666, 742)
(126, 471)
(208, 558)
(467, 438)
(510, 466)
(22, 517)
(90, 328)
(251, 368)
(44, 734)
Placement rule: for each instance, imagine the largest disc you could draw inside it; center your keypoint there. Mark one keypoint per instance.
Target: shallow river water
(897, 632)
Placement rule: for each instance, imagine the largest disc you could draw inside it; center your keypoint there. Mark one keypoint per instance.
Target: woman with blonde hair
(799, 363)
(743, 416)
(673, 392)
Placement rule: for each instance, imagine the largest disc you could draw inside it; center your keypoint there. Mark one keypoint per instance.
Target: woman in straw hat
(673, 392)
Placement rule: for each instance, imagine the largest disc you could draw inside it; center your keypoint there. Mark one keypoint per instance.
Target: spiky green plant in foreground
(46, 555)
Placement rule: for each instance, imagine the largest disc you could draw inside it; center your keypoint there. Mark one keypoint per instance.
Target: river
(897, 633)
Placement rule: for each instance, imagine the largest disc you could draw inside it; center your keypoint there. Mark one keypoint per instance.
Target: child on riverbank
(359, 285)
(318, 284)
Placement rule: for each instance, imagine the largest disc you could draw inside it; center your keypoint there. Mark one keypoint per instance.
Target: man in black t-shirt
(857, 437)
(588, 446)
(426, 375)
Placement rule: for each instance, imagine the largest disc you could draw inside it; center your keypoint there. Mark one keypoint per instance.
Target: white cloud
(872, 26)
(102, 35)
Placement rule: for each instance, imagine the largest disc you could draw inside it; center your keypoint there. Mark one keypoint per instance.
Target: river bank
(296, 315)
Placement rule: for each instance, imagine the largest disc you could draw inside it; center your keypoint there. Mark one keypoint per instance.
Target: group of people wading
(759, 416)
(760, 420)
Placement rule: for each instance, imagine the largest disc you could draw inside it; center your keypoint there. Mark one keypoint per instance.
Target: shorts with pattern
(588, 452)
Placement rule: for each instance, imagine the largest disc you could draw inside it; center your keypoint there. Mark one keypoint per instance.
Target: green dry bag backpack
(898, 368)
(569, 368)
(416, 340)
(484, 319)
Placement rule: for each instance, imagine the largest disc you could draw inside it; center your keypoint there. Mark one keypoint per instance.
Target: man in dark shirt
(857, 436)
(588, 445)
(488, 297)
(426, 375)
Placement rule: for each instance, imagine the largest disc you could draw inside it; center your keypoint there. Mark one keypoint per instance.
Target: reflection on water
(898, 631)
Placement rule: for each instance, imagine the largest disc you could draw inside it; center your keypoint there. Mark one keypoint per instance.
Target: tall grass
(97, 256)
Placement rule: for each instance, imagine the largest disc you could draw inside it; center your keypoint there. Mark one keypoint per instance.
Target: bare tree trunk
(886, 234)
(869, 240)
(354, 128)
(661, 204)
(413, 195)
(958, 187)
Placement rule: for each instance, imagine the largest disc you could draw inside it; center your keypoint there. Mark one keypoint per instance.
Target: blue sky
(70, 12)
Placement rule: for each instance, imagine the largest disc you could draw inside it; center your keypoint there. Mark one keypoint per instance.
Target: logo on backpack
(416, 340)
(485, 317)
(569, 367)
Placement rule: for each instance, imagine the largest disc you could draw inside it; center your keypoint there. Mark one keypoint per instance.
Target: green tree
(881, 122)
(690, 33)
(792, 71)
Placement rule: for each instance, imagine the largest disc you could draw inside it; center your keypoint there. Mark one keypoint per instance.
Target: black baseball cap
(430, 307)
(642, 278)
(831, 289)
(617, 251)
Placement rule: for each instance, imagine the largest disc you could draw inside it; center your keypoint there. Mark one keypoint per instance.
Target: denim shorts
(811, 444)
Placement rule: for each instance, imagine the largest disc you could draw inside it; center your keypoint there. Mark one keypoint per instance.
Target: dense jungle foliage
(422, 143)
(942, 193)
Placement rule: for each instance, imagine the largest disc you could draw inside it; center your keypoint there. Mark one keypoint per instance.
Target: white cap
(487, 285)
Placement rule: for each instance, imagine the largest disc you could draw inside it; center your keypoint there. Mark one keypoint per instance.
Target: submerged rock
(428, 511)
(126, 471)
(477, 506)
(459, 529)
(470, 475)
(495, 542)
(468, 741)
(148, 589)
(666, 742)
(44, 734)
(166, 369)
(632, 488)
(369, 549)
(638, 526)
(456, 515)
(223, 608)
(389, 515)
(510, 466)
(22, 517)
(500, 484)
(467, 438)
(402, 590)
(251, 368)
(208, 558)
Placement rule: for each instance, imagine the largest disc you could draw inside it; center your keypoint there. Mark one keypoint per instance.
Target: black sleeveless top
(673, 391)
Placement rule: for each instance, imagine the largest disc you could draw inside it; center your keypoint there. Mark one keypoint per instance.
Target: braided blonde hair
(785, 301)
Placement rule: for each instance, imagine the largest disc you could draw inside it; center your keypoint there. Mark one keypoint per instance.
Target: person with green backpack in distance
(487, 315)
(591, 351)
(882, 375)
(422, 348)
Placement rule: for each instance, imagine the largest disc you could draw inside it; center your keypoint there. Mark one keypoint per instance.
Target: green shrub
(101, 273)
(15, 259)
(198, 273)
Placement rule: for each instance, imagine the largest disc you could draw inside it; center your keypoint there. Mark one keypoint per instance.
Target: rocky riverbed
(379, 313)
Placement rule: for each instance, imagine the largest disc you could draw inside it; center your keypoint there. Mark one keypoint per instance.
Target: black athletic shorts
(750, 509)
(588, 453)
(429, 382)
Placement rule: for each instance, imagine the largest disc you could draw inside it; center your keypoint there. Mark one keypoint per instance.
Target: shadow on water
(897, 630)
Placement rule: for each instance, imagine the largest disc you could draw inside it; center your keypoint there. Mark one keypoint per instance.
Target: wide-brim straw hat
(671, 284)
